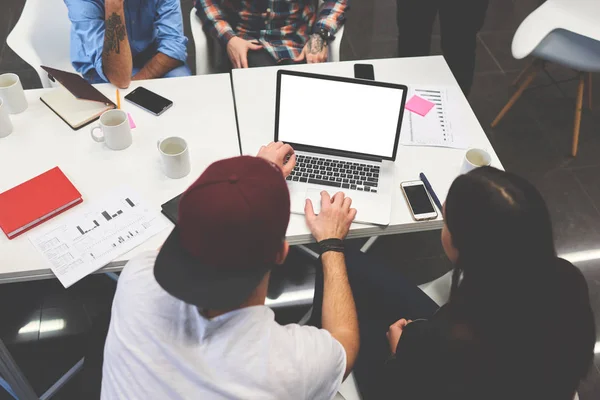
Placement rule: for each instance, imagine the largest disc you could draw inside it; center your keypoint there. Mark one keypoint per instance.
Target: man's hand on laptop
(277, 153)
(333, 222)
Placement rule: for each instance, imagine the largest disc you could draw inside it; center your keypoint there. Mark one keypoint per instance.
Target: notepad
(77, 102)
(75, 112)
(35, 201)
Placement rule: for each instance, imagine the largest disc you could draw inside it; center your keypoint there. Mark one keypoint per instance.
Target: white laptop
(345, 133)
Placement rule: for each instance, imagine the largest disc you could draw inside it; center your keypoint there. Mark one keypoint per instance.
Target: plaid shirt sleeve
(331, 17)
(213, 20)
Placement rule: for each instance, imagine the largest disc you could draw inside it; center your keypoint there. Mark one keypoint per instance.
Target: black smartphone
(149, 101)
(364, 71)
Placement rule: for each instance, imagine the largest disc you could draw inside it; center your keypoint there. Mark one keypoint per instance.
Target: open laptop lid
(339, 116)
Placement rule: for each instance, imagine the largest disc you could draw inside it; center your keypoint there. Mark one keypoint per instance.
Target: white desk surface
(202, 113)
(255, 89)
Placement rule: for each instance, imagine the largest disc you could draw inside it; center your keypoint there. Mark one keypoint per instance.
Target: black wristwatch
(325, 35)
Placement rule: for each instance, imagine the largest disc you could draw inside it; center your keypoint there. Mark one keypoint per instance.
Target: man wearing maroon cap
(189, 321)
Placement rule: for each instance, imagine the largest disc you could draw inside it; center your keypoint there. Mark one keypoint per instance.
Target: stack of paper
(434, 129)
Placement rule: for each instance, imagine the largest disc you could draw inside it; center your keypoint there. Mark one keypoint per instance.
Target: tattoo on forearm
(315, 44)
(114, 34)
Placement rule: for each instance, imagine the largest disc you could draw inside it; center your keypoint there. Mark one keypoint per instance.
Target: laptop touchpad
(315, 196)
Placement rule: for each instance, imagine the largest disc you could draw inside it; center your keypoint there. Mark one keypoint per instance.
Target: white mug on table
(175, 156)
(475, 158)
(6, 127)
(11, 91)
(116, 132)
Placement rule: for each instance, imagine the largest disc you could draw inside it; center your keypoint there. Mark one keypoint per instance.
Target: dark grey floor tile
(557, 118)
(590, 180)
(499, 44)
(520, 143)
(20, 311)
(507, 14)
(574, 217)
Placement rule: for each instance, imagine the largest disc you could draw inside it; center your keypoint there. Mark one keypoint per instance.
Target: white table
(255, 89)
(203, 113)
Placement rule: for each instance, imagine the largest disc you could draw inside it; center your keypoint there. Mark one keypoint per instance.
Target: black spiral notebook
(171, 209)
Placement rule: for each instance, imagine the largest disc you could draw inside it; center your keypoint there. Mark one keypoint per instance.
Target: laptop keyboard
(340, 174)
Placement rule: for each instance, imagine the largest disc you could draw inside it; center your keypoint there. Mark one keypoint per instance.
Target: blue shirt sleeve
(87, 35)
(169, 30)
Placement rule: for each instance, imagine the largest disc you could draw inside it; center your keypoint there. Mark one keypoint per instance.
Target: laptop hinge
(337, 153)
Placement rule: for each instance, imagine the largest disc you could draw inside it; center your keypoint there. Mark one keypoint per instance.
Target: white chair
(42, 37)
(564, 32)
(209, 52)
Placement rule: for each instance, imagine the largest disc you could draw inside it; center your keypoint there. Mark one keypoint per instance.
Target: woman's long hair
(509, 286)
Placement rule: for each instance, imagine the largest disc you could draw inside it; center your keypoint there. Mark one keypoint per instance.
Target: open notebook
(76, 101)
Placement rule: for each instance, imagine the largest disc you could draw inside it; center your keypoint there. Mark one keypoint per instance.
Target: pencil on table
(118, 99)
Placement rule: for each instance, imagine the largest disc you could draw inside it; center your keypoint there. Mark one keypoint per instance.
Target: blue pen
(430, 190)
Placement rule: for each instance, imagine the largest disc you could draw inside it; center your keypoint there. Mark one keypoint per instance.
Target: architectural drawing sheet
(96, 234)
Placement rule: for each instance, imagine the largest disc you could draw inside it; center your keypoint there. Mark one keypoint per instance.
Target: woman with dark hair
(518, 324)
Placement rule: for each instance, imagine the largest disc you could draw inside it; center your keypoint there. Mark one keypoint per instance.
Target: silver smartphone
(420, 203)
(149, 101)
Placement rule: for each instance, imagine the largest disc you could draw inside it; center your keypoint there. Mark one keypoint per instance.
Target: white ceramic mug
(11, 91)
(175, 156)
(116, 132)
(475, 158)
(6, 126)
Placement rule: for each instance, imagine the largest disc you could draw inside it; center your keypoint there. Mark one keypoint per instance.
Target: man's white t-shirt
(159, 347)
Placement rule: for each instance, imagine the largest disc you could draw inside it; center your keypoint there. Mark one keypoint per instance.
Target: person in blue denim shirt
(118, 41)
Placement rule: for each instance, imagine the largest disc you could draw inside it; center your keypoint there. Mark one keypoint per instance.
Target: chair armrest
(202, 43)
(335, 46)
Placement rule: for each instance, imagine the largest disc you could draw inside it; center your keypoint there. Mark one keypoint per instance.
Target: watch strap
(333, 244)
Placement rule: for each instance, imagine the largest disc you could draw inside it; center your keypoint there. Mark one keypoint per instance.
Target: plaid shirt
(281, 26)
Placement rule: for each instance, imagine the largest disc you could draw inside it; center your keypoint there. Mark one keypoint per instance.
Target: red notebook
(35, 201)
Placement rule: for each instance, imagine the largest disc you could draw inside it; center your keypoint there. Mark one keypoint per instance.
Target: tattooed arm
(117, 62)
(315, 50)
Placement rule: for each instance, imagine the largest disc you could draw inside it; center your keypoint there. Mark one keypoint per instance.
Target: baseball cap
(231, 225)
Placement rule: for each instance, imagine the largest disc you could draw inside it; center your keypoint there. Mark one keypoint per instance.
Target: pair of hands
(315, 51)
(335, 217)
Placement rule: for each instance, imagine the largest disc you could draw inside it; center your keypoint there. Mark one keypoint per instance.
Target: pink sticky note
(419, 105)
(131, 123)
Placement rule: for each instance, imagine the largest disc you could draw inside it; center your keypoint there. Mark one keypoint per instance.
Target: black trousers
(258, 58)
(460, 20)
(382, 296)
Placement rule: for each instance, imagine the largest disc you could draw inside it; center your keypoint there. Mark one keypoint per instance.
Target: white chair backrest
(577, 16)
(42, 36)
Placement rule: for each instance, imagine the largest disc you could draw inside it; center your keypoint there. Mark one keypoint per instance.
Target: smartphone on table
(419, 201)
(149, 101)
(364, 71)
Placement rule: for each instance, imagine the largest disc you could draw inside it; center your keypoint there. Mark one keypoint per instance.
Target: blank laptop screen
(339, 115)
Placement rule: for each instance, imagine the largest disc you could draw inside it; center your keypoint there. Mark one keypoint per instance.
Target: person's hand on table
(315, 50)
(395, 332)
(335, 218)
(277, 153)
(237, 50)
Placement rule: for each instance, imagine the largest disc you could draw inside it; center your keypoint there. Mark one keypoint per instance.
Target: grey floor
(533, 140)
